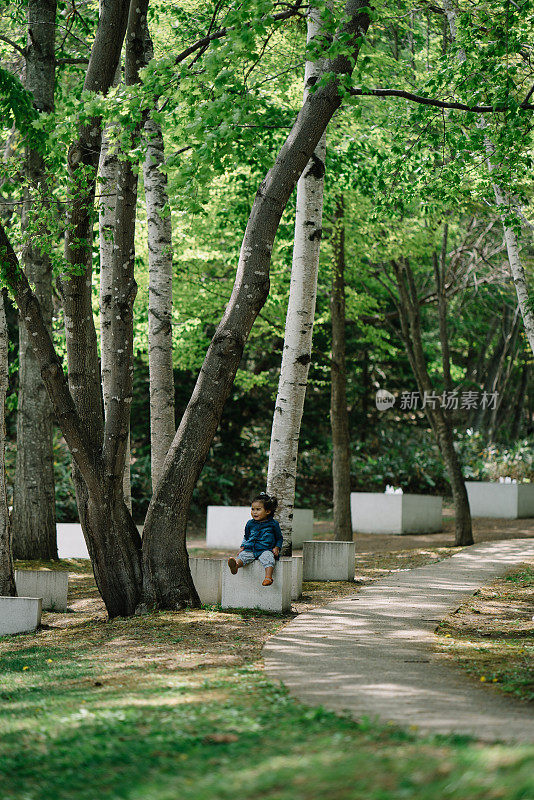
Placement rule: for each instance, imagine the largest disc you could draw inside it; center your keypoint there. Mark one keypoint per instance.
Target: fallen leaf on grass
(220, 738)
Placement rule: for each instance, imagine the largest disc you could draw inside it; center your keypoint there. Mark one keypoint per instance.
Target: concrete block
(296, 576)
(377, 512)
(50, 585)
(500, 500)
(329, 561)
(225, 526)
(244, 590)
(19, 614)
(70, 540)
(207, 577)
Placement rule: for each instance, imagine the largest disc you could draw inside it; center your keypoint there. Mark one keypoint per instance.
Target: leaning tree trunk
(409, 315)
(7, 578)
(296, 353)
(162, 421)
(165, 572)
(504, 203)
(339, 414)
(34, 514)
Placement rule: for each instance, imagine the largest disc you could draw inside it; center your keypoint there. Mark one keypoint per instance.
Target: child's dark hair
(269, 503)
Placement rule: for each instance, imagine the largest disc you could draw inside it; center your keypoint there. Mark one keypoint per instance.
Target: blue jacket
(262, 535)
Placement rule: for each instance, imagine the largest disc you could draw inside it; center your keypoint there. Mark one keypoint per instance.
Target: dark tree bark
(34, 516)
(7, 577)
(519, 404)
(409, 315)
(339, 416)
(441, 293)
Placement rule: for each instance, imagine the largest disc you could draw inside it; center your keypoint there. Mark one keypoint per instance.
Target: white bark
(107, 176)
(513, 249)
(162, 424)
(296, 354)
(504, 203)
(7, 580)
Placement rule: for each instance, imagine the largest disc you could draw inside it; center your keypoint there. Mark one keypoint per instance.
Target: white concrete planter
(244, 590)
(19, 614)
(50, 585)
(70, 541)
(376, 512)
(207, 577)
(500, 500)
(225, 526)
(328, 561)
(296, 576)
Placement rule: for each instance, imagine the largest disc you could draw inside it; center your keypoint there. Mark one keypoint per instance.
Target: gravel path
(371, 654)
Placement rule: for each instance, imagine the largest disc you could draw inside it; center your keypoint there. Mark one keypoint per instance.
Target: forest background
(414, 185)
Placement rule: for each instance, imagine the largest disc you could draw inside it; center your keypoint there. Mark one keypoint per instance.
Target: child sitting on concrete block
(262, 540)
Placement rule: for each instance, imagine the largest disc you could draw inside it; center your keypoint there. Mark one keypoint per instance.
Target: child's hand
(276, 551)
(241, 549)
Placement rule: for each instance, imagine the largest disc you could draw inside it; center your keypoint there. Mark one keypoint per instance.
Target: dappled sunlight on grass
(492, 635)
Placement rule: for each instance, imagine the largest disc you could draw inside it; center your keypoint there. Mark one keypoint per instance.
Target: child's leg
(243, 558)
(268, 561)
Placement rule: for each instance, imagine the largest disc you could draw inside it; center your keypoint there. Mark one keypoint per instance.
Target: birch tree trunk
(112, 538)
(504, 203)
(7, 577)
(165, 573)
(34, 512)
(339, 415)
(296, 354)
(162, 421)
(108, 169)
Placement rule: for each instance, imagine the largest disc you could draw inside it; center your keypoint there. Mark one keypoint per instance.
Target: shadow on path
(371, 654)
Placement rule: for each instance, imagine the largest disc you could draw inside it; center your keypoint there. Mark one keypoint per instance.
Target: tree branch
(430, 101)
(206, 40)
(13, 44)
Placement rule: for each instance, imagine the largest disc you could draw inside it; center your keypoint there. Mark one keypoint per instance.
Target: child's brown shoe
(232, 563)
(267, 582)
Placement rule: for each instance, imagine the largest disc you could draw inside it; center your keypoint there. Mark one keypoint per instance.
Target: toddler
(262, 540)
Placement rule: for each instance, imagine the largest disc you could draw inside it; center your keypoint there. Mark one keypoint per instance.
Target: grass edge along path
(491, 636)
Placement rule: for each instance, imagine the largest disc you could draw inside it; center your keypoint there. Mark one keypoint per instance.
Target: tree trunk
(34, 514)
(162, 421)
(7, 578)
(339, 416)
(107, 178)
(111, 537)
(165, 524)
(504, 203)
(515, 429)
(441, 292)
(296, 353)
(409, 315)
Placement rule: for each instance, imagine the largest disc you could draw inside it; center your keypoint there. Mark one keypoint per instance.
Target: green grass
(492, 635)
(175, 706)
(76, 721)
